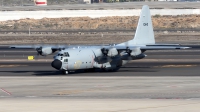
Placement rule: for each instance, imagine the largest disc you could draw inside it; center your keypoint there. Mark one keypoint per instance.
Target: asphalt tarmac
(163, 81)
(150, 69)
(14, 62)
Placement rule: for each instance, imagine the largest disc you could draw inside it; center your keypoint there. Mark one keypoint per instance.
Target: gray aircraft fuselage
(84, 58)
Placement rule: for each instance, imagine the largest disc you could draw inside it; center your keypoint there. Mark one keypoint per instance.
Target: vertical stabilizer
(144, 33)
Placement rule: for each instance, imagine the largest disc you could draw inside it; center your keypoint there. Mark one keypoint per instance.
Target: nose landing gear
(65, 72)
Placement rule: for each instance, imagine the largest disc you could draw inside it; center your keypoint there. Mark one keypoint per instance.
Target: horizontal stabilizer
(162, 47)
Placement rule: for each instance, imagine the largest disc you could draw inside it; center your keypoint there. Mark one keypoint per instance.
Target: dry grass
(86, 23)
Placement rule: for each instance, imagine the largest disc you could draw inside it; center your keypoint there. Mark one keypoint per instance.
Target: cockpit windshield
(66, 54)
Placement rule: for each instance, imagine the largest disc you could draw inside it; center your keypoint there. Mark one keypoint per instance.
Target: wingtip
(185, 47)
(11, 47)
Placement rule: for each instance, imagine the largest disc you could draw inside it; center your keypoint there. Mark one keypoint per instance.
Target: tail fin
(144, 33)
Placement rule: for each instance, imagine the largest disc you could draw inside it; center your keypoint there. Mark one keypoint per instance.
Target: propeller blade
(104, 59)
(129, 58)
(108, 59)
(126, 44)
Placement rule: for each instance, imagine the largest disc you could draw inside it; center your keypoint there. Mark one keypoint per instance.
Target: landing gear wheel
(65, 72)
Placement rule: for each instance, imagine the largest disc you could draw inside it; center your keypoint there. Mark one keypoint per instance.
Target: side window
(66, 60)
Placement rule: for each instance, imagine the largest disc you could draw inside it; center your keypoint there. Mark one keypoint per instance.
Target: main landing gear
(90, 70)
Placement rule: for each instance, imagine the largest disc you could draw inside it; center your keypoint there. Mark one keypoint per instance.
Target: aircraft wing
(162, 47)
(54, 47)
(42, 49)
(23, 47)
(154, 47)
(121, 47)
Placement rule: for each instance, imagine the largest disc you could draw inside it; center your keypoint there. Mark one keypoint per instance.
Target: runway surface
(138, 68)
(163, 81)
(14, 62)
(158, 66)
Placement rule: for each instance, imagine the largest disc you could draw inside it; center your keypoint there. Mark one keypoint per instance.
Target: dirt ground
(190, 22)
(116, 22)
(90, 39)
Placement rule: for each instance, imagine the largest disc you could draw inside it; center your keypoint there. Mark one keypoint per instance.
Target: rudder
(144, 33)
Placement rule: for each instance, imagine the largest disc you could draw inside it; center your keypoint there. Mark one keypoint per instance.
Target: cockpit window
(65, 54)
(65, 60)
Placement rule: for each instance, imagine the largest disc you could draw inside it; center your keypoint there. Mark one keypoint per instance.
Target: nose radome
(56, 64)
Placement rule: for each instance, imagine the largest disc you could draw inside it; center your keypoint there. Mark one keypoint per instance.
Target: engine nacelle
(44, 51)
(47, 51)
(105, 66)
(135, 52)
(112, 52)
(140, 56)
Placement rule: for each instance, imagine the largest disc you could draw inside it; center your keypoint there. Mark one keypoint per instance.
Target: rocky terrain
(86, 23)
(107, 23)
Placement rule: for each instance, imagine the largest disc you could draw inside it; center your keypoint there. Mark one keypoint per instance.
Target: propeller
(38, 48)
(39, 52)
(104, 51)
(132, 53)
(105, 58)
(128, 51)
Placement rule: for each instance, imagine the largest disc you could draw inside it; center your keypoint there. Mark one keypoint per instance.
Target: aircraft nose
(56, 64)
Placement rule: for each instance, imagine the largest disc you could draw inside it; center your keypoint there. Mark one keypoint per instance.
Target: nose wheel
(65, 72)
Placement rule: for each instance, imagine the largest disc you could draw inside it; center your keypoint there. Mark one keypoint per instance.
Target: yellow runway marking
(175, 66)
(30, 57)
(10, 66)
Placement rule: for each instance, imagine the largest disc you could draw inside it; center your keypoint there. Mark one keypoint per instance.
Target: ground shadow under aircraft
(124, 71)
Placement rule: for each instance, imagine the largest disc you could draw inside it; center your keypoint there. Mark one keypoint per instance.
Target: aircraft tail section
(144, 33)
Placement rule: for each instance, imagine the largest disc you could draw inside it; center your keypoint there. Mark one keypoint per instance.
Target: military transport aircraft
(108, 58)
